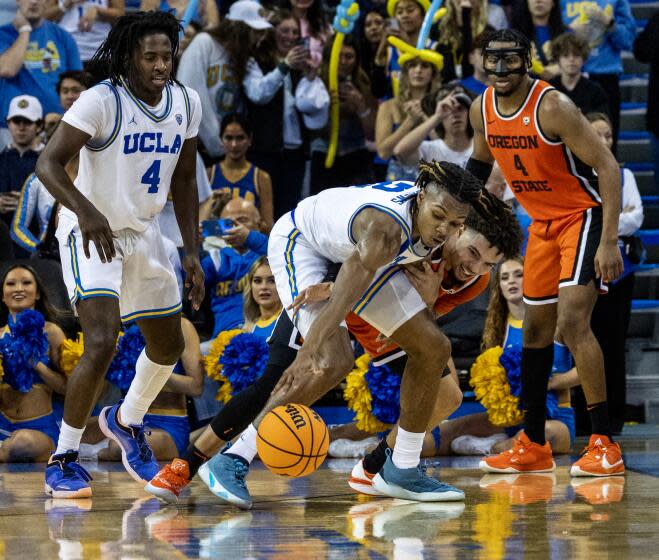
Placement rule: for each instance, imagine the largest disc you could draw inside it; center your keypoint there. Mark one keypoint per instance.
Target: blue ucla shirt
(226, 275)
(50, 52)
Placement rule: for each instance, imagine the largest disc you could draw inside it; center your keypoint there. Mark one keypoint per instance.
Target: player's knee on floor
(452, 396)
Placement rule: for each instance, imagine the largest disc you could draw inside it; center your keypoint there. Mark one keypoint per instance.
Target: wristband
(283, 67)
(25, 28)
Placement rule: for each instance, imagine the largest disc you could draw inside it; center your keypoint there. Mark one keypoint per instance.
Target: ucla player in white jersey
(136, 133)
(370, 230)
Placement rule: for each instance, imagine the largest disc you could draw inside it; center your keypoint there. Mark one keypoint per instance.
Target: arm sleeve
(257, 242)
(261, 89)
(20, 226)
(630, 222)
(624, 32)
(91, 110)
(195, 114)
(192, 72)
(313, 101)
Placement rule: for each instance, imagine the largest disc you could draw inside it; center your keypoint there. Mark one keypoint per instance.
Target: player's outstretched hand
(194, 280)
(94, 227)
(425, 280)
(608, 262)
(313, 294)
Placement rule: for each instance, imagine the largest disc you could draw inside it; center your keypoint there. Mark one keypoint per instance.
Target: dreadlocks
(460, 184)
(495, 221)
(114, 57)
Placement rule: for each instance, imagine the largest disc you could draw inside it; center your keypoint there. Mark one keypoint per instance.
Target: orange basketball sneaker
(525, 456)
(601, 457)
(169, 481)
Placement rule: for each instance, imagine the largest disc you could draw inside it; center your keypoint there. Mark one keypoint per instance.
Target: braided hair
(114, 57)
(455, 180)
(495, 221)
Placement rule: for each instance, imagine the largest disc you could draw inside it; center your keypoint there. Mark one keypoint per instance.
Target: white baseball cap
(25, 106)
(249, 12)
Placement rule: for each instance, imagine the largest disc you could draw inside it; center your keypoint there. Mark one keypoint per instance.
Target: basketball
(292, 440)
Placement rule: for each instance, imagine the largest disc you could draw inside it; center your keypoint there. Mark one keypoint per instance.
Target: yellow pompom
(70, 353)
(214, 367)
(359, 398)
(2, 370)
(490, 383)
(212, 361)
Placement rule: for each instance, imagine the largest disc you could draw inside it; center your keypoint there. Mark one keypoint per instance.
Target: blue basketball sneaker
(66, 478)
(225, 475)
(413, 484)
(136, 455)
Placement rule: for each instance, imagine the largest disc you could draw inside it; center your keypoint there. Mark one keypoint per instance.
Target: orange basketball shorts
(561, 253)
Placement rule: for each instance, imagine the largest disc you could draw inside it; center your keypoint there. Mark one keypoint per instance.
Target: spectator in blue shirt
(227, 268)
(33, 53)
(609, 28)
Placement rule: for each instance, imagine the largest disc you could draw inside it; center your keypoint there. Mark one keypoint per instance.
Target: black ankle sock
(536, 369)
(195, 459)
(599, 419)
(375, 460)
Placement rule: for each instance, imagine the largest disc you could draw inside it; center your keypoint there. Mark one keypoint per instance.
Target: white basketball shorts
(140, 276)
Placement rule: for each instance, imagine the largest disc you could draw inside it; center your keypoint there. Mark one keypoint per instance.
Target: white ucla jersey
(127, 165)
(326, 219)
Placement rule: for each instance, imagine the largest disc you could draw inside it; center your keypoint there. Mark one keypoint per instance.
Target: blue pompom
(511, 360)
(384, 386)
(25, 345)
(244, 360)
(122, 369)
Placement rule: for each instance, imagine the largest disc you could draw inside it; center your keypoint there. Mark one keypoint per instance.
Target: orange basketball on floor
(292, 440)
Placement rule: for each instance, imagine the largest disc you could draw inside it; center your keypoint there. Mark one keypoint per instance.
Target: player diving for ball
(371, 230)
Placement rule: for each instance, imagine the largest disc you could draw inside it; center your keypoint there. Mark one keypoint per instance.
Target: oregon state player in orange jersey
(569, 183)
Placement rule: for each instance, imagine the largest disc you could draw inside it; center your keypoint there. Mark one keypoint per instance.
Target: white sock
(407, 451)
(69, 438)
(245, 445)
(149, 380)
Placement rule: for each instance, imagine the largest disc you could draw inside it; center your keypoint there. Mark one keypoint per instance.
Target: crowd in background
(261, 71)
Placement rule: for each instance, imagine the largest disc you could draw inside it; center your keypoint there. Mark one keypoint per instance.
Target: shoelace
(240, 471)
(594, 448)
(75, 470)
(146, 455)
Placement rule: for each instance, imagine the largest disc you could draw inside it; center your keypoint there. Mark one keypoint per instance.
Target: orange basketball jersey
(549, 181)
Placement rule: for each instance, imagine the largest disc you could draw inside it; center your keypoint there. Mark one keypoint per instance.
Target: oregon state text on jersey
(546, 177)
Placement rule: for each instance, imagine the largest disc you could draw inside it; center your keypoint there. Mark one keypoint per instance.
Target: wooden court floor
(505, 516)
